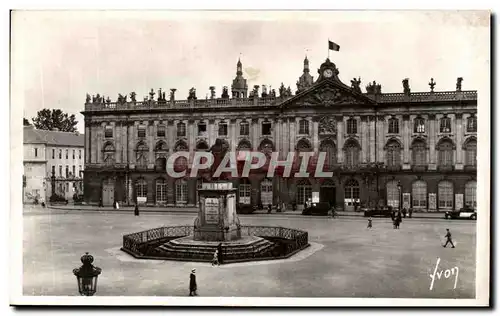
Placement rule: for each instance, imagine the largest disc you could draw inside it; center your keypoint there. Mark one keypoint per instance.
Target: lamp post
(399, 192)
(86, 276)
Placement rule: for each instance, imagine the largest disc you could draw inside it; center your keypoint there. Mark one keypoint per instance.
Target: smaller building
(52, 157)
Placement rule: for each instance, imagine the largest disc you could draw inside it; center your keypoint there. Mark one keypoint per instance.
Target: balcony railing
(182, 104)
(427, 96)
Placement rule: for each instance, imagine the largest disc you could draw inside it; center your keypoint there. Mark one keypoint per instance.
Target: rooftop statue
(132, 96)
(355, 84)
(459, 83)
(406, 86)
(87, 99)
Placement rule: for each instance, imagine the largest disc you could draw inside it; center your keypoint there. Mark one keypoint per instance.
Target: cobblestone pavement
(345, 258)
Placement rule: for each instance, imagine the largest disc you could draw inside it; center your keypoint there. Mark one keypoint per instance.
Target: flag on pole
(333, 46)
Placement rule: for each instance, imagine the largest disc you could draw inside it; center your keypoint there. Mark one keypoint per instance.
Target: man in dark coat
(448, 239)
(219, 252)
(410, 212)
(136, 210)
(192, 283)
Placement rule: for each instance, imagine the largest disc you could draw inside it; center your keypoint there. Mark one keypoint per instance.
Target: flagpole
(328, 48)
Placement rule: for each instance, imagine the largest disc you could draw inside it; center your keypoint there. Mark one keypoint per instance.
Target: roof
(54, 138)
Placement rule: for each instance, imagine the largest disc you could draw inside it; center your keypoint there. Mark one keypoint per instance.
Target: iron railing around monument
(288, 241)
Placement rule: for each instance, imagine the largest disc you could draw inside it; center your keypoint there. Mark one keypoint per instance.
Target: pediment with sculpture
(328, 93)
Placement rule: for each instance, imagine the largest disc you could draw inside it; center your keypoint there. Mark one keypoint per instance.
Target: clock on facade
(328, 73)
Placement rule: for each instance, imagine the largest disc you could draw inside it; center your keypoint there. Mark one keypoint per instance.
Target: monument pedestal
(217, 218)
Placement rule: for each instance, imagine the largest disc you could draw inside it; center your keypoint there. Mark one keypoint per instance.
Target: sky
(57, 57)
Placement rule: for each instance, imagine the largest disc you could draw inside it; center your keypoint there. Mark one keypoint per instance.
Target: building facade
(52, 156)
(414, 148)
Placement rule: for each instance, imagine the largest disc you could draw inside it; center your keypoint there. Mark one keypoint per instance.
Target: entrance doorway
(327, 193)
(108, 192)
(351, 195)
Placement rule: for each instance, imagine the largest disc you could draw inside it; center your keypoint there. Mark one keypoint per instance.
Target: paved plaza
(345, 258)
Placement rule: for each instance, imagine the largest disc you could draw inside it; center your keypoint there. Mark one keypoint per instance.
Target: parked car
(382, 211)
(245, 208)
(321, 208)
(461, 214)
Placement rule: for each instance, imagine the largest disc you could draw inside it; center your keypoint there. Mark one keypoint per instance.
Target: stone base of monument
(187, 247)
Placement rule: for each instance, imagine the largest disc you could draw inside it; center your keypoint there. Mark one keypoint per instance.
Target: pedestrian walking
(448, 239)
(192, 283)
(410, 212)
(117, 206)
(369, 223)
(136, 210)
(100, 203)
(404, 213)
(215, 259)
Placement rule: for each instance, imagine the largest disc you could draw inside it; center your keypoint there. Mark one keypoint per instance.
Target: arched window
(266, 192)
(202, 146)
(419, 125)
(419, 194)
(445, 153)
(181, 146)
(142, 154)
(445, 195)
(304, 192)
(351, 190)
(470, 194)
(109, 154)
(304, 127)
(472, 124)
(352, 126)
(393, 194)
(244, 128)
(393, 125)
(445, 125)
(161, 191)
(181, 129)
(141, 188)
(393, 154)
(244, 191)
(181, 191)
(266, 147)
(161, 146)
(352, 154)
(471, 153)
(329, 148)
(419, 153)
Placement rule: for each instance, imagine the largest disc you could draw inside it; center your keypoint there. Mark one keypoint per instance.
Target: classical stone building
(423, 141)
(52, 156)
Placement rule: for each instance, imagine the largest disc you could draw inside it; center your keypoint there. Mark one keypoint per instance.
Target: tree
(51, 119)
(26, 122)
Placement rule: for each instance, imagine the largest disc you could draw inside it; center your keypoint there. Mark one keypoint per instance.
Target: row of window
(73, 169)
(419, 197)
(266, 127)
(352, 152)
(61, 153)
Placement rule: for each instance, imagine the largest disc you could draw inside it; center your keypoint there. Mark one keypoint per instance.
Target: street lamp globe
(86, 276)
